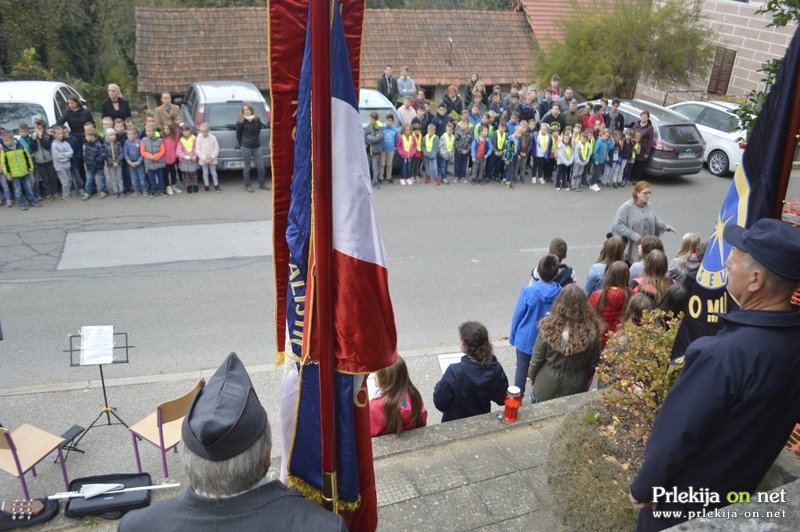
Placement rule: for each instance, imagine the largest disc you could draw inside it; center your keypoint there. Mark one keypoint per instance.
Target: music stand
(118, 355)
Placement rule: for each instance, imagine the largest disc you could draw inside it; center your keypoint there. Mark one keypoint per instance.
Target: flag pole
(321, 165)
(790, 145)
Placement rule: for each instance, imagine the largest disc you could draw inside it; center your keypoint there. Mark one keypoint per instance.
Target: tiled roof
(543, 17)
(176, 47)
(498, 45)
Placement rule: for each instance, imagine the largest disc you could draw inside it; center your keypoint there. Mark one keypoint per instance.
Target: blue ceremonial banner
(359, 267)
(753, 195)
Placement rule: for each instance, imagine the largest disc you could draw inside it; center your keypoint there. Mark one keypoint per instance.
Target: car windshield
(226, 115)
(680, 134)
(12, 114)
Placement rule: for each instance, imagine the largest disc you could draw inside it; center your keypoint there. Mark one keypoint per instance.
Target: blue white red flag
(365, 337)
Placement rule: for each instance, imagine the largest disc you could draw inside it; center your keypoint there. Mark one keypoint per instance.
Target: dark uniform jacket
(272, 506)
(731, 410)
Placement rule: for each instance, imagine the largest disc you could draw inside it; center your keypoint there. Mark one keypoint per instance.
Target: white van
(28, 101)
(371, 100)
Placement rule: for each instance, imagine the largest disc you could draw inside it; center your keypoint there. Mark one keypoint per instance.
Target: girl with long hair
(612, 251)
(248, 138)
(609, 302)
(688, 251)
(567, 349)
(398, 406)
(654, 282)
(468, 388)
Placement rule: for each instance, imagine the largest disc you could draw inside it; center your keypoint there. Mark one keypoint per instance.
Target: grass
(590, 468)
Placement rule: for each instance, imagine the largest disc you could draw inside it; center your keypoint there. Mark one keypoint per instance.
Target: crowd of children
(117, 159)
(558, 330)
(505, 140)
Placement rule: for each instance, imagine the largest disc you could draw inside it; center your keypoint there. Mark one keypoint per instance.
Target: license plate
(234, 164)
(687, 155)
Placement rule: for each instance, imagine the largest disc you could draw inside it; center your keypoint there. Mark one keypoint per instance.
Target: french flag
(365, 337)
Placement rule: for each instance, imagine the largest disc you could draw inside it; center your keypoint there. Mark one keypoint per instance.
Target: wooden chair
(162, 428)
(22, 450)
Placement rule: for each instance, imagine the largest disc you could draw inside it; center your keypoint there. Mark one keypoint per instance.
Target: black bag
(109, 506)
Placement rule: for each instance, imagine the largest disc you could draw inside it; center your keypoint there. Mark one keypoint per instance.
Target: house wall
(737, 27)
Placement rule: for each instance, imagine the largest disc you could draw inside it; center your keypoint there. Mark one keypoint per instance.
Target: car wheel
(718, 163)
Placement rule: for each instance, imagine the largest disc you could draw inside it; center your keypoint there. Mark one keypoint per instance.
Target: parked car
(678, 145)
(722, 131)
(27, 101)
(219, 103)
(371, 100)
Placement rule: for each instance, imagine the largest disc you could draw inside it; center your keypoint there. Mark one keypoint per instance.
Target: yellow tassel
(313, 494)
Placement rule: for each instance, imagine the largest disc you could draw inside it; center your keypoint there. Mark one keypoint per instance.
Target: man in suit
(387, 85)
(227, 443)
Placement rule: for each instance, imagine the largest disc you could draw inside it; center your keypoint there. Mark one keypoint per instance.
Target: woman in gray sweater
(636, 218)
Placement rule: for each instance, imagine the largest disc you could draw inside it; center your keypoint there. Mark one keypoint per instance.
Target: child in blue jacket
(534, 302)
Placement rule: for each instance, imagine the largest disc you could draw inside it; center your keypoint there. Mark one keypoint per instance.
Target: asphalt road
(189, 277)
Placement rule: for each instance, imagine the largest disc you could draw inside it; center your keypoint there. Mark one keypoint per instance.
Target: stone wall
(736, 27)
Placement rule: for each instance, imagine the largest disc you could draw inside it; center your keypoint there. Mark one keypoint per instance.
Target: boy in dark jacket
(94, 156)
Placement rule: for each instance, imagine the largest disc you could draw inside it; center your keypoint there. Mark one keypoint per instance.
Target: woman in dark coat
(116, 106)
(248, 138)
(76, 116)
(645, 129)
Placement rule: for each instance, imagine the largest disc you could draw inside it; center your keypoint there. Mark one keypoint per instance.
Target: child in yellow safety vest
(430, 152)
(495, 166)
(406, 149)
(17, 165)
(447, 150)
(583, 154)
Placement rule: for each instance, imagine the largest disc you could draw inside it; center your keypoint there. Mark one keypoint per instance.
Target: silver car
(219, 103)
(678, 145)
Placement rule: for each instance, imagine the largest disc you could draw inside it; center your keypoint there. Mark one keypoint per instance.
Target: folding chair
(162, 428)
(22, 450)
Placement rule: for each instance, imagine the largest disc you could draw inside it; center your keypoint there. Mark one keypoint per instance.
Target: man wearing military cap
(736, 401)
(226, 451)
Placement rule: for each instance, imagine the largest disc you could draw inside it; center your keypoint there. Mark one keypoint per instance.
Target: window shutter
(721, 71)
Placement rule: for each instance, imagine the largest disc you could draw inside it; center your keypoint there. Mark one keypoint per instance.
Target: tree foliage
(636, 366)
(608, 48)
(87, 43)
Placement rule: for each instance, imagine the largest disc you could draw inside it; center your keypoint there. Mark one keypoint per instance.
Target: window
(719, 120)
(721, 71)
(690, 110)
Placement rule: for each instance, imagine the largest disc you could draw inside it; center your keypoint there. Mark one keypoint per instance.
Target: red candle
(512, 402)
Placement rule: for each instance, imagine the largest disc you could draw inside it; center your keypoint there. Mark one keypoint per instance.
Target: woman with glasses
(636, 219)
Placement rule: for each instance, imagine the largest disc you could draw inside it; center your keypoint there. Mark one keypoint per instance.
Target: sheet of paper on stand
(97, 344)
(449, 358)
